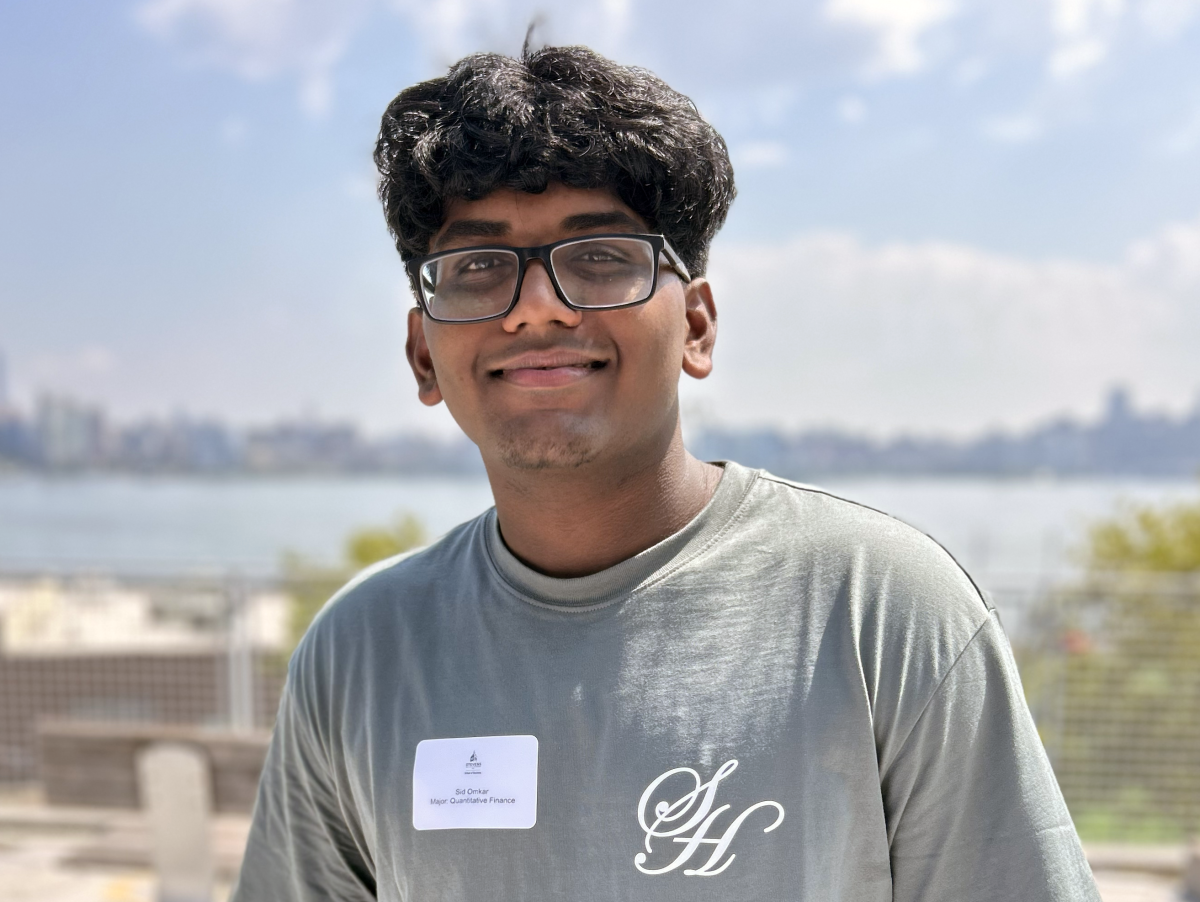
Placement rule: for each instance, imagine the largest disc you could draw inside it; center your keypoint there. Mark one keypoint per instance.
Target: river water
(1006, 532)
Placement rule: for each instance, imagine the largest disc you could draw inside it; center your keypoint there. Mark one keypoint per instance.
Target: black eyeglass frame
(658, 243)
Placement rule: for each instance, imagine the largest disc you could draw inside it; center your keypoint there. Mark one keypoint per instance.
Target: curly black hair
(562, 114)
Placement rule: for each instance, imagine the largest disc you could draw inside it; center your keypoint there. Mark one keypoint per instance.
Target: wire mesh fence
(203, 652)
(1110, 665)
(1111, 668)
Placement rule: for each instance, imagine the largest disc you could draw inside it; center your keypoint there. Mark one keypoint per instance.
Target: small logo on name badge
(473, 767)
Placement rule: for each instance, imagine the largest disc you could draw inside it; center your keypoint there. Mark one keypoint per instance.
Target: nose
(538, 305)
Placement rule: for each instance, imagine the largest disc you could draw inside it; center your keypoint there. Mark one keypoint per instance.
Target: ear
(417, 351)
(701, 314)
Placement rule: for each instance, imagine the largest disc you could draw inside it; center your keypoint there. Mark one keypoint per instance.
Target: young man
(640, 676)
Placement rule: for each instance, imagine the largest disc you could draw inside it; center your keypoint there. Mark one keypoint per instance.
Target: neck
(579, 521)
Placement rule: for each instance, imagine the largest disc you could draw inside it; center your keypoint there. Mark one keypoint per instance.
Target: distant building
(65, 434)
(5, 403)
(17, 444)
(305, 446)
(177, 445)
(70, 434)
(1123, 443)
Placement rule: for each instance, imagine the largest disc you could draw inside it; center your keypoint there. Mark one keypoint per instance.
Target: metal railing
(205, 651)
(1111, 669)
(1110, 666)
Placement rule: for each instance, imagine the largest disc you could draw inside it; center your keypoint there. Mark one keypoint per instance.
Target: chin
(535, 450)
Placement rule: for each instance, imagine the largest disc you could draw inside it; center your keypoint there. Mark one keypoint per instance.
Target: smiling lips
(548, 369)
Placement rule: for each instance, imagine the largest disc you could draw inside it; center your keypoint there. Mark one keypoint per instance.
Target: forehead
(519, 217)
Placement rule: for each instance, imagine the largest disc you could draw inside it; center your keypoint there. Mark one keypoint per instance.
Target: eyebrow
(472, 228)
(496, 228)
(581, 222)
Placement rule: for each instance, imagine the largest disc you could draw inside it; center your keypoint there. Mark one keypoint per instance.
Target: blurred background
(960, 283)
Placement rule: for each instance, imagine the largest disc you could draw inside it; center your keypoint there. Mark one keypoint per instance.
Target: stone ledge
(95, 764)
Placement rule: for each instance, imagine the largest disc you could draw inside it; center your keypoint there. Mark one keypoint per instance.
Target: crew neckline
(606, 586)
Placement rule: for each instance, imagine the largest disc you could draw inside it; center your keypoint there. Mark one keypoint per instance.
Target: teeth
(589, 365)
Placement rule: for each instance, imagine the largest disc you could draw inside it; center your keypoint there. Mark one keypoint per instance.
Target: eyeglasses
(595, 272)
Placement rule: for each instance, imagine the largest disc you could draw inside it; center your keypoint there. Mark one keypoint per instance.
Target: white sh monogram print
(696, 810)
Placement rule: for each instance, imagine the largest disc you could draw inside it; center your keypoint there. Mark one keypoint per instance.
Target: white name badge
(476, 783)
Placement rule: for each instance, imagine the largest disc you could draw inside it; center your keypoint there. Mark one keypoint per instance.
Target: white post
(174, 783)
(1191, 876)
(240, 650)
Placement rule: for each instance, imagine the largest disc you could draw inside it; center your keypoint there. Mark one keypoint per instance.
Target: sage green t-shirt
(794, 697)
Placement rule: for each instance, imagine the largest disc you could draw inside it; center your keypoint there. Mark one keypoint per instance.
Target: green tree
(369, 546)
(1125, 670)
(1147, 539)
(310, 585)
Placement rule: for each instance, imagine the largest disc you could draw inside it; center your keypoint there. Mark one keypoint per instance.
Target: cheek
(660, 337)
(451, 355)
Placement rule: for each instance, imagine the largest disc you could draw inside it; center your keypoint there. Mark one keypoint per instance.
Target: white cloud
(262, 38)
(306, 39)
(1170, 259)
(759, 155)
(1084, 30)
(1074, 38)
(1072, 18)
(971, 37)
(452, 28)
(607, 23)
(1184, 139)
(852, 110)
(1020, 129)
(1076, 56)
(970, 71)
(1166, 19)
(940, 336)
(449, 29)
(898, 26)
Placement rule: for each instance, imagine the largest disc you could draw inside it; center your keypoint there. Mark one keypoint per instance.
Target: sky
(952, 216)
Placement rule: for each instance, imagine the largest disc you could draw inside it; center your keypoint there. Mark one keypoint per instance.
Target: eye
(477, 263)
(599, 254)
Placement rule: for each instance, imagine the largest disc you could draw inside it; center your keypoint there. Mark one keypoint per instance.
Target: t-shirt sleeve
(302, 843)
(974, 813)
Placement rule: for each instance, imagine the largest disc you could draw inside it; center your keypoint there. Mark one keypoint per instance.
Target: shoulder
(884, 588)
(840, 529)
(893, 577)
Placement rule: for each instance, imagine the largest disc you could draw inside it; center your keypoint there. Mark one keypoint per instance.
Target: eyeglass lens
(600, 272)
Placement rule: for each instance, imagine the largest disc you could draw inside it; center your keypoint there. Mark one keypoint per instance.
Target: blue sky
(952, 215)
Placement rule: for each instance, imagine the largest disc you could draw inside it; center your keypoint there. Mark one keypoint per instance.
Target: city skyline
(695, 413)
(62, 434)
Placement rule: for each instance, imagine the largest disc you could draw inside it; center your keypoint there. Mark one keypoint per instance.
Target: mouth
(585, 365)
(550, 370)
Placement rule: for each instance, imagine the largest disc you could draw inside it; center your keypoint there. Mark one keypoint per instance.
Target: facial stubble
(523, 446)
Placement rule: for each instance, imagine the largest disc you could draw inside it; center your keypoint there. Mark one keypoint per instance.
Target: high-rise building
(70, 434)
(17, 444)
(4, 402)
